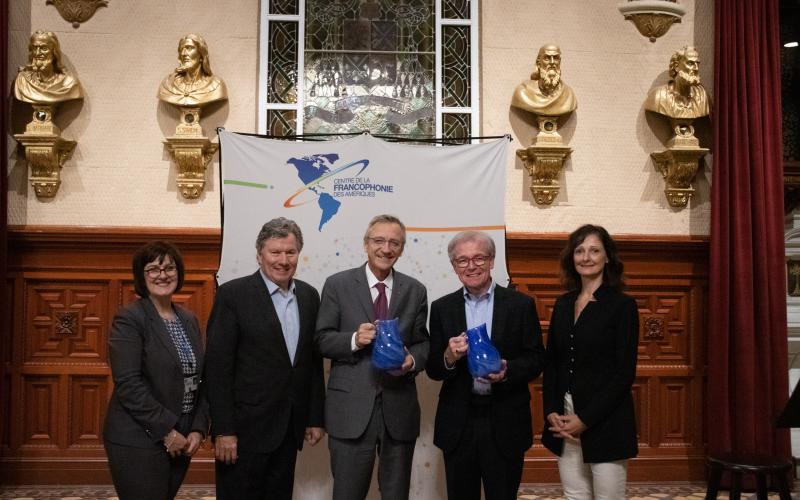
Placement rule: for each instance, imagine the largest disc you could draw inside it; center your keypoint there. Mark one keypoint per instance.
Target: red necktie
(381, 305)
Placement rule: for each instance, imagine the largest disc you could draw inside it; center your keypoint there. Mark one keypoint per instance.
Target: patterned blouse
(188, 360)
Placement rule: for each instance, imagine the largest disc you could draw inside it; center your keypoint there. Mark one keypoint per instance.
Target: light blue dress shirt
(285, 303)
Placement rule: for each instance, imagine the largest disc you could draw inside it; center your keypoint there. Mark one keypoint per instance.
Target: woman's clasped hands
(566, 426)
(177, 444)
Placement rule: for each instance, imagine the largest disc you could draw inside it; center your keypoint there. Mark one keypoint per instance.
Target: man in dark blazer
(483, 426)
(264, 378)
(366, 409)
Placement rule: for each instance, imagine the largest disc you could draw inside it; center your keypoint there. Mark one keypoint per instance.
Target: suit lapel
(459, 310)
(399, 289)
(273, 332)
(306, 321)
(159, 330)
(499, 314)
(363, 292)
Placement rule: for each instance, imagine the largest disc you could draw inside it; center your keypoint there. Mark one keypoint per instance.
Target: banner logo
(314, 170)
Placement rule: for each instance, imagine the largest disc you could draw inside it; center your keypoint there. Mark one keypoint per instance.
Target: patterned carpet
(679, 491)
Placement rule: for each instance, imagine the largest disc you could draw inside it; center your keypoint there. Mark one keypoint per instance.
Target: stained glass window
(281, 86)
(283, 6)
(281, 122)
(456, 66)
(455, 9)
(369, 65)
(456, 126)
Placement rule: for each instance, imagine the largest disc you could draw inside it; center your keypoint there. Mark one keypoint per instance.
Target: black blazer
(148, 377)
(517, 335)
(254, 391)
(605, 343)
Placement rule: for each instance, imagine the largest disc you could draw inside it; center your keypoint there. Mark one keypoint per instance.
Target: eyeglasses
(393, 244)
(478, 260)
(155, 271)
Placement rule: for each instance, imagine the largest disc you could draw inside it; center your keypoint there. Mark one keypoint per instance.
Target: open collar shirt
(285, 302)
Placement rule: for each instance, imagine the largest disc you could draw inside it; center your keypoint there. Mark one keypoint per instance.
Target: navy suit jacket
(517, 335)
(254, 390)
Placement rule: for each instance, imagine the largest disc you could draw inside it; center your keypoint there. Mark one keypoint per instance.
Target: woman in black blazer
(158, 413)
(589, 371)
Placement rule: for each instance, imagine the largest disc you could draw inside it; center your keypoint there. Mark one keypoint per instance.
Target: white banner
(333, 188)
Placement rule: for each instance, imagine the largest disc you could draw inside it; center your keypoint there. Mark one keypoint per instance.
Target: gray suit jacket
(148, 377)
(346, 303)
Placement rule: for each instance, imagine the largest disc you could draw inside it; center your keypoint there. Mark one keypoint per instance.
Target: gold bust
(545, 93)
(192, 83)
(683, 96)
(45, 80)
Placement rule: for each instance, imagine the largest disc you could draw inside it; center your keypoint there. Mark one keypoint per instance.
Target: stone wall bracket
(543, 163)
(45, 151)
(191, 151)
(679, 163)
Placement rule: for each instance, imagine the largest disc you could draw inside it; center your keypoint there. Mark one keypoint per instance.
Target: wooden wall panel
(67, 322)
(88, 398)
(41, 411)
(6, 322)
(65, 284)
(675, 398)
(641, 400)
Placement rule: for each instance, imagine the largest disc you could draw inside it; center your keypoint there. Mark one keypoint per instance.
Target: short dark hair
(280, 227)
(612, 272)
(155, 251)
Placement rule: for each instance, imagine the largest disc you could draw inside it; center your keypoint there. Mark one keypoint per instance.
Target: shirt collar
(488, 294)
(272, 287)
(372, 280)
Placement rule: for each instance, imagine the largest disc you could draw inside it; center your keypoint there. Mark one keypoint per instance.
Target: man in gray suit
(367, 410)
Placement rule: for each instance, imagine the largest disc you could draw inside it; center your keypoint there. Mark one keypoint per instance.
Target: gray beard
(187, 67)
(40, 68)
(688, 78)
(39, 65)
(549, 81)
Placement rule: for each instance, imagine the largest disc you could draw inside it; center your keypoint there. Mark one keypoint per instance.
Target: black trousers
(260, 476)
(150, 473)
(477, 459)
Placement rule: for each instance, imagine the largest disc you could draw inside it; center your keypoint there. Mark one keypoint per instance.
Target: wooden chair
(760, 465)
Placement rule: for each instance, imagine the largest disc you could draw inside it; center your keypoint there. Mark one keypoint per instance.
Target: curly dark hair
(155, 251)
(612, 272)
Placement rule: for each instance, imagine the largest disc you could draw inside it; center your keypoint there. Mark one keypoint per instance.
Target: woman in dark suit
(589, 370)
(158, 414)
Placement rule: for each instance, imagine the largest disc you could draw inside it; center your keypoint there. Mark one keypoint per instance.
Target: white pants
(581, 481)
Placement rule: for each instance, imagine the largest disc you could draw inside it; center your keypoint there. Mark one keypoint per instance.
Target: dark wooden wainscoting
(65, 284)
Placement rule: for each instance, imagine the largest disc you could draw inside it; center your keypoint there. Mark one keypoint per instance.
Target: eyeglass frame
(466, 260)
(154, 272)
(379, 242)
